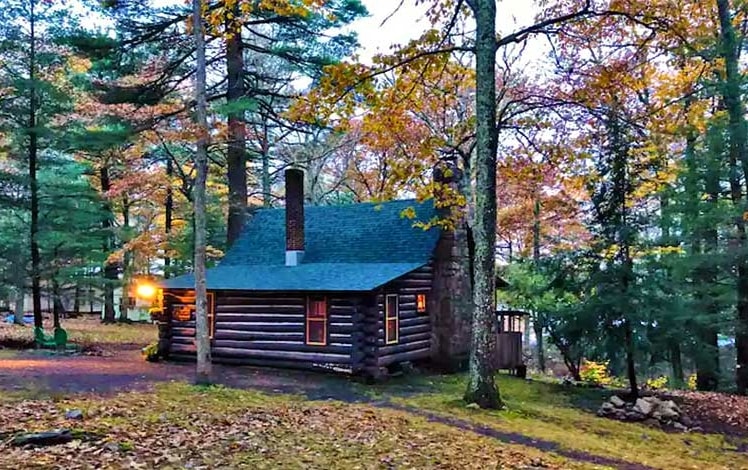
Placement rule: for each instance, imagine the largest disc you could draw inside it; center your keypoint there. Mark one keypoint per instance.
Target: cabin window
(421, 303)
(316, 321)
(391, 320)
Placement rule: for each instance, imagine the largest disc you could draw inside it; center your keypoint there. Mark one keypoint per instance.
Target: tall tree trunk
(77, 298)
(703, 324)
(19, 287)
(124, 304)
(707, 376)
(236, 153)
(731, 93)
(203, 375)
(481, 387)
(674, 332)
(538, 321)
(168, 211)
(36, 290)
(110, 269)
(57, 308)
(267, 199)
(676, 362)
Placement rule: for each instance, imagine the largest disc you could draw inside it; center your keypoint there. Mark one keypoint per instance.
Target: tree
(481, 387)
(729, 51)
(28, 29)
(202, 333)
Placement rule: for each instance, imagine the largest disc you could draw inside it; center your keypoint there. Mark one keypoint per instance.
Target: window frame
(324, 320)
(388, 317)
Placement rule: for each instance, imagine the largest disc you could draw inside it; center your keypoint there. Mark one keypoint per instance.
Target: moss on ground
(565, 415)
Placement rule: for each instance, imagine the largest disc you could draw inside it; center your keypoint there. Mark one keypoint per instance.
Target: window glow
(421, 303)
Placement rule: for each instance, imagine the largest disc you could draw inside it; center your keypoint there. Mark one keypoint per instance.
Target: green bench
(58, 340)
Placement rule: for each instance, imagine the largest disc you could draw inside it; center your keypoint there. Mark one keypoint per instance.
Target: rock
(669, 414)
(652, 422)
(643, 407)
(606, 409)
(74, 414)
(616, 401)
(111, 447)
(49, 438)
(679, 427)
(670, 404)
(635, 416)
(472, 406)
(686, 421)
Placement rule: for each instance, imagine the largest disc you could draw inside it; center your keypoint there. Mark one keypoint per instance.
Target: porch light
(145, 291)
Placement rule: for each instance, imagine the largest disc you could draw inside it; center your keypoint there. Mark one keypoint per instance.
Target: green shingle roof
(355, 247)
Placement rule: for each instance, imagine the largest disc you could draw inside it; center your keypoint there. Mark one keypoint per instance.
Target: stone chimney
(451, 298)
(294, 216)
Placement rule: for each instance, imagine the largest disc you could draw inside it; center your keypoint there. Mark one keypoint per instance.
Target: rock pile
(650, 410)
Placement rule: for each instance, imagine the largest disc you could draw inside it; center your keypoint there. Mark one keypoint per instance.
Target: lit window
(316, 321)
(391, 314)
(183, 312)
(421, 303)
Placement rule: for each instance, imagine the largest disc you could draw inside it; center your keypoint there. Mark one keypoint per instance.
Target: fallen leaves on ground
(179, 426)
(715, 411)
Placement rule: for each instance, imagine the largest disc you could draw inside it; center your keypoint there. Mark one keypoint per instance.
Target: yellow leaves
(227, 18)
(78, 64)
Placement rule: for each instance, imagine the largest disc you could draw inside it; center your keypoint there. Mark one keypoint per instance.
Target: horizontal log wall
(182, 333)
(270, 329)
(414, 342)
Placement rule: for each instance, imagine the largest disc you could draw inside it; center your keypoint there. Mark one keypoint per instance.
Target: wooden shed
(512, 324)
(346, 288)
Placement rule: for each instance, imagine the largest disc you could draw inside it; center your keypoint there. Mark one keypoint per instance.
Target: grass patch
(178, 426)
(86, 332)
(565, 415)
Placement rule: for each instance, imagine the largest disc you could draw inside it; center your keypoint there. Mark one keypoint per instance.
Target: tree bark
(110, 269)
(676, 362)
(124, 304)
(236, 152)
(168, 211)
(538, 316)
(481, 387)
(77, 299)
(267, 199)
(19, 288)
(203, 373)
(36, 290)
(732, 96)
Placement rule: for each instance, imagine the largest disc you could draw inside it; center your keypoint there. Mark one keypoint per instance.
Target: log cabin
(356, 288)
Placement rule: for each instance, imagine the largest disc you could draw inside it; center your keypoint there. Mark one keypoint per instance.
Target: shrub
(150, 352)
(657, 383)
(595, 373)
(691, 384)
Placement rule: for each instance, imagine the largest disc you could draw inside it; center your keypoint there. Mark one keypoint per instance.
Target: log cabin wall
(269, 329)
(414, 329)
(181, 333)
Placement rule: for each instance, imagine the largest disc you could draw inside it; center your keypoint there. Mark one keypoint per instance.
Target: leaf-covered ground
(143, 415)
(180, 426)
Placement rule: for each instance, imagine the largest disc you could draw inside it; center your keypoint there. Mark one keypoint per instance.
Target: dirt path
(43, 375)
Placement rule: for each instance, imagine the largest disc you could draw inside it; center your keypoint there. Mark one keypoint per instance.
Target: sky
(408, 22)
